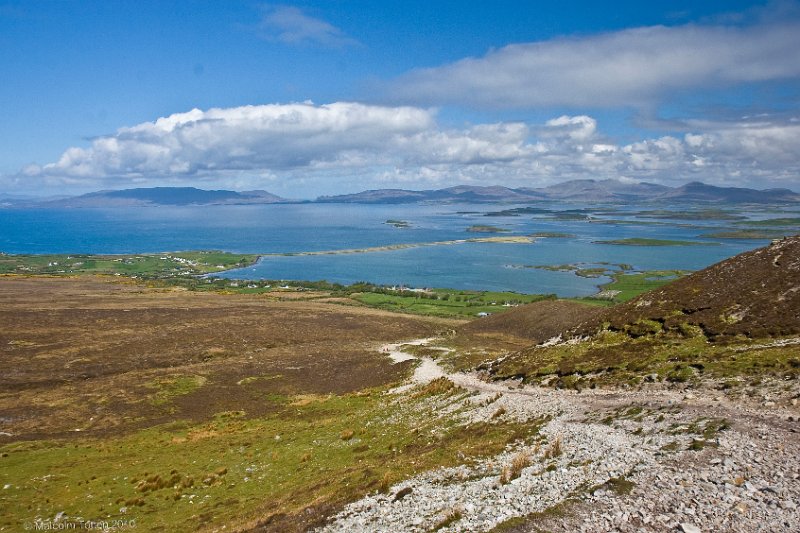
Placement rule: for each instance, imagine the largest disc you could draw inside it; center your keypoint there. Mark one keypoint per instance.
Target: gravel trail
(644, 460)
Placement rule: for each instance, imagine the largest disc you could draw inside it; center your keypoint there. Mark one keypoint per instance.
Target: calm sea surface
(314, 227)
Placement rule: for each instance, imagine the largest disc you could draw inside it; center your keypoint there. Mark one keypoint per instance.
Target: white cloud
(580, 128)
(351, 146)
(290, 25)
(633, 67)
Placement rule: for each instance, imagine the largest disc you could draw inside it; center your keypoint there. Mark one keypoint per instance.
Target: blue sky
(313, 98)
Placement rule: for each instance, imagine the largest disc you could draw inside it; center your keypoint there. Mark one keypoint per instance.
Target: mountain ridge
(574, 190)
(585, 190)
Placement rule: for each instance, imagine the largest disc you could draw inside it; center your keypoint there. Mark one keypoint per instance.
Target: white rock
(690, 528)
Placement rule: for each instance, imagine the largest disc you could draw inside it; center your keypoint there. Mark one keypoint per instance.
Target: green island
(637, 241)
(699, 214)
(398, 223)
(483, 228)
(792, 222)
(748, 234)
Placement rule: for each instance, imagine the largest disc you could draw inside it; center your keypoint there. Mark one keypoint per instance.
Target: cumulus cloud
(290, 25)
(632, 67)
(351, 146)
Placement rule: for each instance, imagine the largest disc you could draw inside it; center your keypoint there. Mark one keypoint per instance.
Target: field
(449, 303)
(184, 410)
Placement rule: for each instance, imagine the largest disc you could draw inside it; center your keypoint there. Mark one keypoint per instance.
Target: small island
(483, 228)
(755, 234)
(398, 223)
(636, 241)
(551, 235)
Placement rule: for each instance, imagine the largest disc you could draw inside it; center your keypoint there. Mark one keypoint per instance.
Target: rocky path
(655, 460)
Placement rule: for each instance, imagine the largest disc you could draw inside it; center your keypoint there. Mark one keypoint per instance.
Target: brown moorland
(94, 355)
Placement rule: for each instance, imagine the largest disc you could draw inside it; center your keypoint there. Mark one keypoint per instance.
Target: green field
(632, 284)
(449, 303)
(163, 264)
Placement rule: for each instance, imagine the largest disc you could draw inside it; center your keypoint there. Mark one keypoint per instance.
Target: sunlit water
(311, 227)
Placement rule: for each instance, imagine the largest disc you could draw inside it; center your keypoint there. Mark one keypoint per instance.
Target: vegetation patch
(619, 485)
(513, 470)
(168, 388)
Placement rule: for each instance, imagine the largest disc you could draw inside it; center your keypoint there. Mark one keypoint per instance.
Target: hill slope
(754, 294)
(736, 319)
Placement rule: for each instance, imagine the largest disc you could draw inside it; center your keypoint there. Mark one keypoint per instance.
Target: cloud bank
(352, 146)
(633, 67)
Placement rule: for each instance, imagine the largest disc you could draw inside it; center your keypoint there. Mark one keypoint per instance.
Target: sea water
(291, 228)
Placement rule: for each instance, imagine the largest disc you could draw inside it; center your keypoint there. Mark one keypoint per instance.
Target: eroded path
(650, 460)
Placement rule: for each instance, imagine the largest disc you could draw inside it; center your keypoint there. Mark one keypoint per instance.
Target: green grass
(449, 303)
(637, 241)
(633, 284)
(231, 470)
(164, 265)
(166, 389)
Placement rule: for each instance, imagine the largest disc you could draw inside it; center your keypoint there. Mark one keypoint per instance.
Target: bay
(291, 228)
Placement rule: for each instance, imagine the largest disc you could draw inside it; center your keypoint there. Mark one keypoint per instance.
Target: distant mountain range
(612, 191)
(575, 191)
(156, 196)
